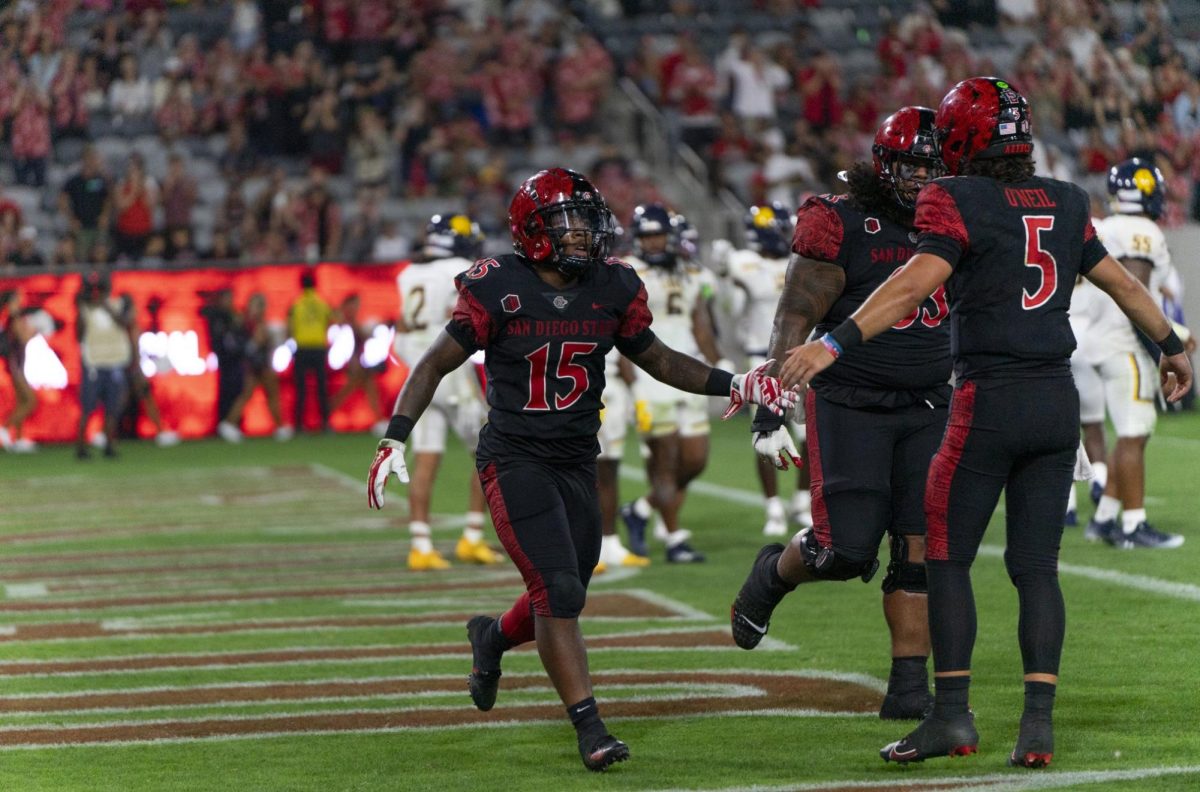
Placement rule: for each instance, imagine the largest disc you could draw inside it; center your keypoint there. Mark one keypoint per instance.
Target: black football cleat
(914, 705)
(935, 737)
(484, 679)
(1035, 743)
(1144, 535)
(607, 750)
(750, 614)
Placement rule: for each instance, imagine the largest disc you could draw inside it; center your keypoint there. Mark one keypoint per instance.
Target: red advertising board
(176, 354)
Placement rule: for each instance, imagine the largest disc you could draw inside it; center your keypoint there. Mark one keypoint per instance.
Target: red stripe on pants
(504, 530)
(942, 469)
(820, 512)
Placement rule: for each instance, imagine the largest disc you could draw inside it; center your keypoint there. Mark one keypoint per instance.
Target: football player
(673, 424)
(757, 276)
(546, 315)
(1121, 364)
(874, 422)
(614, 428)
(1008, 245)
(427, 298)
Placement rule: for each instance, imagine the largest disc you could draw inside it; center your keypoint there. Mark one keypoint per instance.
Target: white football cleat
(229, 433)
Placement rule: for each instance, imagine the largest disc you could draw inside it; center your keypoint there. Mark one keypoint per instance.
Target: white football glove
(389, 459)
(757, 387)
(778, 447)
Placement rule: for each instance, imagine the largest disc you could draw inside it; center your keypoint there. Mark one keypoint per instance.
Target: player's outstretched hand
(389, 459)
(1176, 373)
(758, 387)
(805, 362)
(778, 448)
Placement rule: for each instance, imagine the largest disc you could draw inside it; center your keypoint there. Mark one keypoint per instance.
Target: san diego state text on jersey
(906, 364)
(545, 348)
(1010, 316)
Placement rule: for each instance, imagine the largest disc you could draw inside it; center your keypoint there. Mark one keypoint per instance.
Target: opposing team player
(427, 298)
(1009, 246)
(546, 316)
(614, 429)
(1119, 368)
(673, 424)
(875, 421)
(757, 275)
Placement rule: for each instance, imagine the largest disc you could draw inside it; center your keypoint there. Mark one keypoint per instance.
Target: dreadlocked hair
(1002, 169)
(869, 194)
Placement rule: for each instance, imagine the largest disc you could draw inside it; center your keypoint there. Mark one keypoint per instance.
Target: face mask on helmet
(768, 231)
(448, 236)
(905, 153)
(910, 174)
(1136, 186)
(558, 219)
(654, 239)
(687, 238)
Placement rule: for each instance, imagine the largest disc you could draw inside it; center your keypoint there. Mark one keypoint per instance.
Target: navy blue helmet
(769, 230)
(652, 220)
(1136, 186)
(449, 235)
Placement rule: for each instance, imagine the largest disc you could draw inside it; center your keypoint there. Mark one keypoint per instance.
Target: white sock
(611, 549)
(1072, 499)
(678, 537)
(474, 519)
(802, 501)
(1108, 509)
(641, 507)
(774, 508)
(473, 535)
(1131, 518)
(419, 531)
(1100, 473)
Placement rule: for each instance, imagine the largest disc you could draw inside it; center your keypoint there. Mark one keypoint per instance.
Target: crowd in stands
(145, 132)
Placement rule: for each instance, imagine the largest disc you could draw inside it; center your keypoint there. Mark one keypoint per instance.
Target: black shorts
(868, 471)
(1020, 436)
(548, 519)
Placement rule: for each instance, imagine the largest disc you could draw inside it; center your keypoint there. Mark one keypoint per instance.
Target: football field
(228, 618)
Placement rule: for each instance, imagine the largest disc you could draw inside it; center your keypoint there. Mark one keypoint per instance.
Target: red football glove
(757, 387)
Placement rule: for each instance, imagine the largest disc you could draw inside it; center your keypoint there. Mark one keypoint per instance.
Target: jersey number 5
(567, 369)
(1041, 260)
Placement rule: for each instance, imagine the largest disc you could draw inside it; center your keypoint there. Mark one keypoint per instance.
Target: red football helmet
(982, 117)
(551, 204)
(906, 141)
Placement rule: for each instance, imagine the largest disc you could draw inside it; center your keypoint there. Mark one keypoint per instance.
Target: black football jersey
(544, 351)
(1016, 249)
(907, 364)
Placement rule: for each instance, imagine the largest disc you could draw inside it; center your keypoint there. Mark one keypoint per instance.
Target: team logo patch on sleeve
(871, 225)
(511, 303)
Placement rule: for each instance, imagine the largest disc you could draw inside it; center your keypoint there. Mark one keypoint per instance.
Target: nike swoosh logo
(911, 752)
(755, 627)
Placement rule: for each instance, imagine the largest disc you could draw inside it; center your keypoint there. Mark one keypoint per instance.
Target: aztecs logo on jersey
(511, 303)
(871, 225)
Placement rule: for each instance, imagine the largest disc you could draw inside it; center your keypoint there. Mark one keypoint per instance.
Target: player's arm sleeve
(471, 325)
(1093, 249)
(634, 335)
(940, 225)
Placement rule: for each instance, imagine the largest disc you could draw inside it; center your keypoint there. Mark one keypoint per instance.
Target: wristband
(720, 383)
(1172, 344)
(399, 428)
(831, 344)
(766, 421)
(847, 335)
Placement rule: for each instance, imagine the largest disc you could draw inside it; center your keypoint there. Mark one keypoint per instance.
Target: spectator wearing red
(136, 198)
(179, 196)
(692, 89)
(892, 51)
(176, 116)
(510, 93)
(820, 85)
(30, 135)
(69, 112)
(582, 78)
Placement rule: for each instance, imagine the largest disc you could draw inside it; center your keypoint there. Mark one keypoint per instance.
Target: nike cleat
(935, 737)
(684, 553)
(1144, 535)
(1035, 743)
(484, 679)
(476, 552)
(1097, 531)
(423, 562)
(1096, 491)
(750, 614)
(1071, 519)
(602, 753)
(635, 526)
(914, 705)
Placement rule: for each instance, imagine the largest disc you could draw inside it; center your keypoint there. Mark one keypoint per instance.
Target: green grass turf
(1129, 687)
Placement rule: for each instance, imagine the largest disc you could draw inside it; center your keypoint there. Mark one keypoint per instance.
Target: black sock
(585, 717)
(1039, 698)
(498, 640)
(775, 582)
(908, 675)
(952, 696)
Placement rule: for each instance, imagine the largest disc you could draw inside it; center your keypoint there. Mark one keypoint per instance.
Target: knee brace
(565, 593)
(825, 564)
(902, 574)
